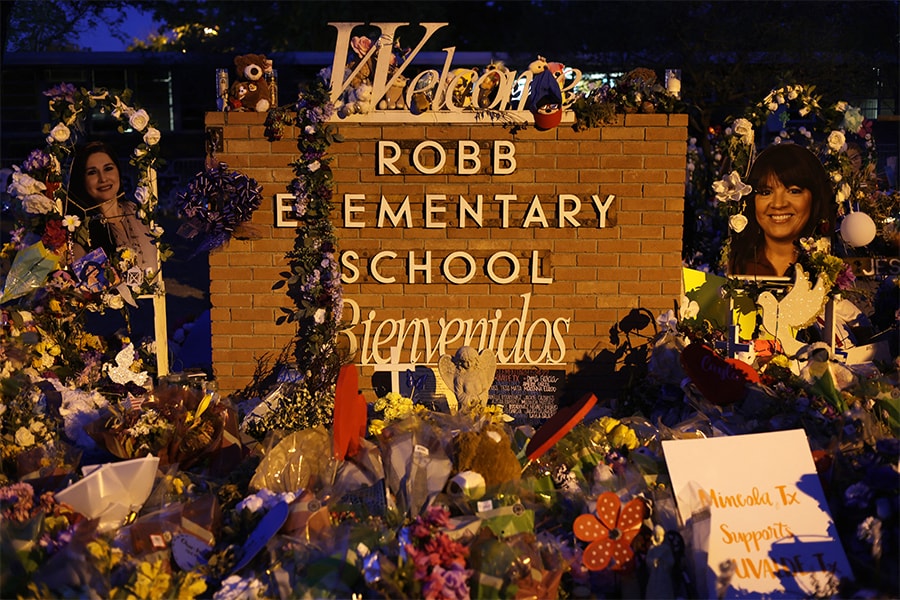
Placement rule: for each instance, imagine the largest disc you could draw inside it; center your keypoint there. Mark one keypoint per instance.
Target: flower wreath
(216, 204)
(38, 184)
(827, 137)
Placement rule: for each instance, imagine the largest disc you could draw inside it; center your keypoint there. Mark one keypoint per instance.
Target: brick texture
(593, 277)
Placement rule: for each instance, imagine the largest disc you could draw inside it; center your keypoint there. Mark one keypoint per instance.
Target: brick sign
(453, 230)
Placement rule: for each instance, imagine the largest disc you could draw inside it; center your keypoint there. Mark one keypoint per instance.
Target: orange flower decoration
(611, 534)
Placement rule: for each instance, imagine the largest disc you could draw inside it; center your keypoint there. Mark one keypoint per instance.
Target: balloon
(858, 229)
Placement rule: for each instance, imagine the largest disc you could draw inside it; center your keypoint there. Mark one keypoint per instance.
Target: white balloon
(858, 229)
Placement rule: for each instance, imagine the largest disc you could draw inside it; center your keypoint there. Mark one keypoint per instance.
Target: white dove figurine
(121, 372)
(797, 309)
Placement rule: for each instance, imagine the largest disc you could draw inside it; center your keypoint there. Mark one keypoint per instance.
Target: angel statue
(470, 375)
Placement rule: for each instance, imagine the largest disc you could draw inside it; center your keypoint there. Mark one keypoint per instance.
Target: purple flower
(36, 160)
(63, 90)
(845, 278)
(857, 495)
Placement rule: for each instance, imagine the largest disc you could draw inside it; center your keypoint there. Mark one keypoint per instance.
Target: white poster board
(759, 515)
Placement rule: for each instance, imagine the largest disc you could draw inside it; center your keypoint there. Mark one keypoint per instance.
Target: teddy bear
(250, 90)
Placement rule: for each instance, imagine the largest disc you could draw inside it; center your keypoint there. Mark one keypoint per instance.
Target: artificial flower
(610, 532)
(139, 119)
(667, 321)
(60, 133)
(142, 195)
(853, 119)
(744, 129)
(737, 223)
(24, 185)
(836, 140)
(71, 222)
(730, 188)
(152, 136)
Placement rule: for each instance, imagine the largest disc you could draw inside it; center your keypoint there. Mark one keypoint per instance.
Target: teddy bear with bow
(250, 92)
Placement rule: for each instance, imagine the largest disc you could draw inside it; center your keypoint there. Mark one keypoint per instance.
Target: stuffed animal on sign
(250, 91)
(489, 83)
(544, 96)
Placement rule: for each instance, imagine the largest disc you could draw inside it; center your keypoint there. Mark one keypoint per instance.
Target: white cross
(395, 367)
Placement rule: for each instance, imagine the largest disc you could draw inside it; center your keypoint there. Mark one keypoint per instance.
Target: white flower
(71, 222)
(252, 503)
(24, 437)
(319, 317)
(38, 204)
(667, 321)
(152, 137)
(24, 184)
(142, 195)
(309, 129)
(139, 120)
(853, 119)
(113, 301)
(314, 166)
(731, 188)
(737, 223)
(60, 133)
(843, 193)
(688, 309)
(744, 128)
(836, 140)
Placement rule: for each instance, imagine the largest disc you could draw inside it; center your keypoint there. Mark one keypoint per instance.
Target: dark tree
(54, 25)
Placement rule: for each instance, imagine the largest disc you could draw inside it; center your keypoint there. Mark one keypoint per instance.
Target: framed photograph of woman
(791, 198)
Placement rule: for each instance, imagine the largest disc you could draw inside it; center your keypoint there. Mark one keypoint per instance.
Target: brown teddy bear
(250, 91)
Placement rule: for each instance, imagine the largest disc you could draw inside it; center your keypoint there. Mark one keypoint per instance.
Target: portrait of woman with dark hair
(791, 198)
(95, 187)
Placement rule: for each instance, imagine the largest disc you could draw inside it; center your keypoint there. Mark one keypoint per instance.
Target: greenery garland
(314, 279)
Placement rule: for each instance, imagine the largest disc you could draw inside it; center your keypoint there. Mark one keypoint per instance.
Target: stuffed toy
(488, 453)
(250, 90)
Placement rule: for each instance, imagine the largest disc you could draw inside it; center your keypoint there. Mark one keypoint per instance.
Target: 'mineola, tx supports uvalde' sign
(453, 230)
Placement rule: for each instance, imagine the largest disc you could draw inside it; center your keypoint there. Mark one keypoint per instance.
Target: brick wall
(599, 275)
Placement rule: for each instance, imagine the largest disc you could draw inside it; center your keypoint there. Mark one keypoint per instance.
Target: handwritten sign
(757, 501)
(530, 396)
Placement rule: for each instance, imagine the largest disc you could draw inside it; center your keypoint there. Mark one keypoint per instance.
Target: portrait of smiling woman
(791, 198)
(96, 188)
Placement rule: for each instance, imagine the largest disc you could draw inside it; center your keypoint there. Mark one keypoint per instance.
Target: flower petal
(598, 554)
(608, 505)
(631, 518)
(587, 528)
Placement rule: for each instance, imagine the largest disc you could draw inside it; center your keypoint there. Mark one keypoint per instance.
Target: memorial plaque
(530, 396)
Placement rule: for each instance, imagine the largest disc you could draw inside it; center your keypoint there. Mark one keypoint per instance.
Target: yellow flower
(376, 426)
(151, 581)
(623, 435)
(192, 586)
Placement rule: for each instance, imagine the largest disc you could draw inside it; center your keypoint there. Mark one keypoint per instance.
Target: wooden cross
(395, 367)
